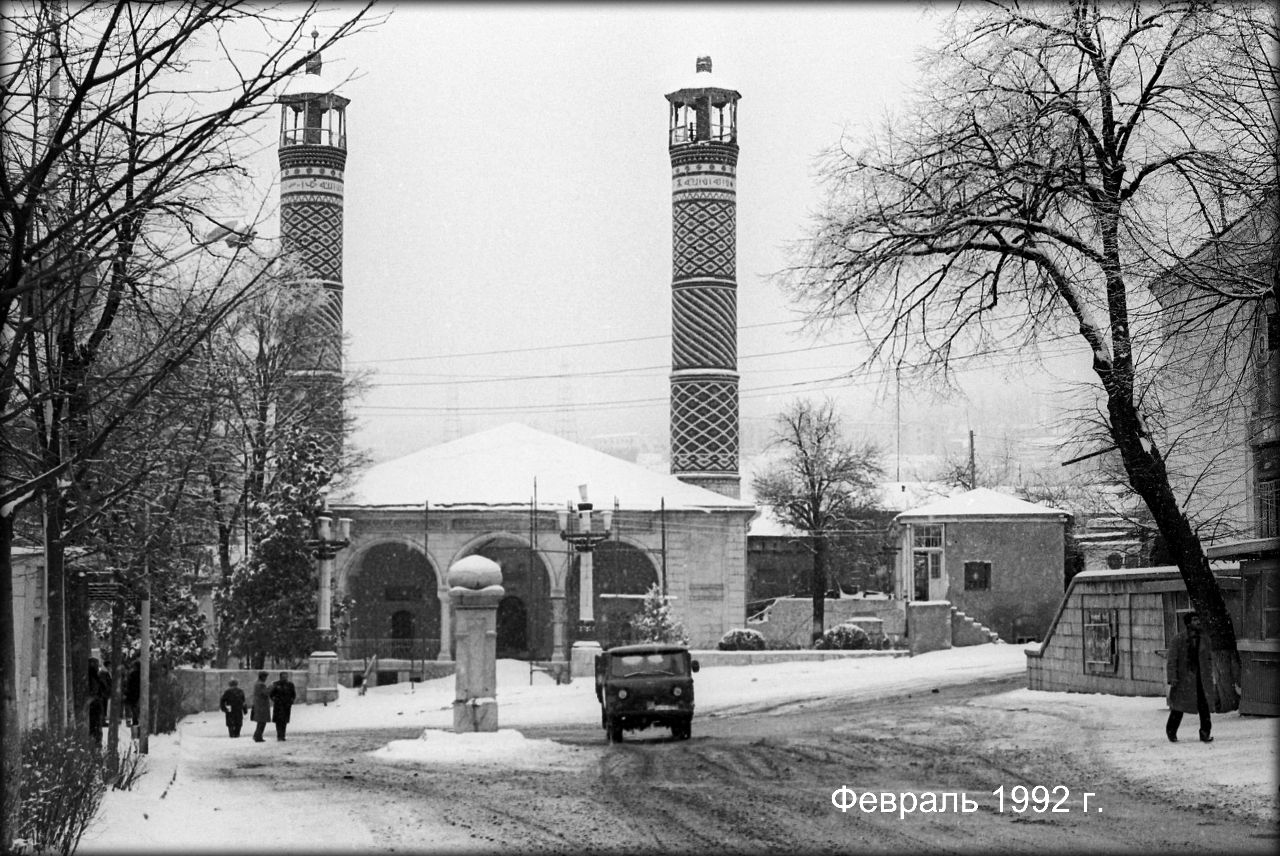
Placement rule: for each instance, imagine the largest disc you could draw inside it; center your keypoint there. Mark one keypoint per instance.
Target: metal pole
(662, 523)
(144, 683)
(973, 472)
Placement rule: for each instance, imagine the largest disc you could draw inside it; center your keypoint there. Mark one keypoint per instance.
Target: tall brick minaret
(703, 143)
(313, 157)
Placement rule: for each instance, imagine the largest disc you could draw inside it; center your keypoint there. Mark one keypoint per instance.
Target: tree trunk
(117, 676)
(1149, 479)
(819, 585)
(78, 639)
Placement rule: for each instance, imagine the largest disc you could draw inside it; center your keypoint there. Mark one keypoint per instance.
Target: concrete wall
(928, 625)
(351, 672)
(202, 688)
(1026, 573)
(788, 623)
(708, 659)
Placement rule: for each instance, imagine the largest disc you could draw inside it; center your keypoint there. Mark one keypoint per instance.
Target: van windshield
(630, 665)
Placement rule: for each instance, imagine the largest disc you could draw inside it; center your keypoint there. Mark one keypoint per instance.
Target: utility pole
(973, 473)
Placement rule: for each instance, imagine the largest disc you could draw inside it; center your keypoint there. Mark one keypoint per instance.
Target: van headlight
(677, 692)
(622, 694)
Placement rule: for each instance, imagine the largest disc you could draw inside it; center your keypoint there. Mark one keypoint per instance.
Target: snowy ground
(183, 803)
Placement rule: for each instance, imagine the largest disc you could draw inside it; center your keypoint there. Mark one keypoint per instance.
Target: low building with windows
(496, 494)
(998, 559)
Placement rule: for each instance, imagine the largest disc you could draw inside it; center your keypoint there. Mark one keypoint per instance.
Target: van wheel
(686, 729)
(615, 732)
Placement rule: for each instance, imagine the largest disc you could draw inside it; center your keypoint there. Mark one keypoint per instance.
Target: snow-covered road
(190, 799)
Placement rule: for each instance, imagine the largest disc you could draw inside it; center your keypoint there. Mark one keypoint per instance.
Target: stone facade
(705, 575)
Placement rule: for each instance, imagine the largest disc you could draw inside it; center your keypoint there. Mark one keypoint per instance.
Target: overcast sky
(508, 204)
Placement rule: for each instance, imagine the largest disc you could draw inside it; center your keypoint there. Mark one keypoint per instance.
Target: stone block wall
(202, 688)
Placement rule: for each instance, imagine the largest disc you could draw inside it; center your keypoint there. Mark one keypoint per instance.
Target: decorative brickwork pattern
(704, 330)
(704, 239)
(704, 426)
(314, 231)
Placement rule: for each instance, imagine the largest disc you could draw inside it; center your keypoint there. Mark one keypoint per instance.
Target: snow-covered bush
(740, 639)
(61, 789)
(844, 637)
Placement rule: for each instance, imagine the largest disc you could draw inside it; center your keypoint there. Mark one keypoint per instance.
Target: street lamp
(326, 545)
(322, 667)
(576, 528)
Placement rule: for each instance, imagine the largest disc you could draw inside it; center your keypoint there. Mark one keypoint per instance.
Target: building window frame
(927, 540)
(1100, 647)
(977, 576)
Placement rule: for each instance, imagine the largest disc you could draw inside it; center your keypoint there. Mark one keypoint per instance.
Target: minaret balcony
(313, 137)
(684, 134)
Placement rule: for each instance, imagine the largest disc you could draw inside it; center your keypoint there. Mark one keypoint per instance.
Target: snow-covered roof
(981, 502)
(1170, 571)
(701, 79)
(498, 468)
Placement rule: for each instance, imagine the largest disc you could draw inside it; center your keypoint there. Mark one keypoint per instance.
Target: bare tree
(252, 405)
(113, 156)
(819, 485)
(1058, 159)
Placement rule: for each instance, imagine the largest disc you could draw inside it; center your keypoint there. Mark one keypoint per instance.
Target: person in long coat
(282, 696)
(261, 710)
(233, 704)
(99, 692)
(1194, 684)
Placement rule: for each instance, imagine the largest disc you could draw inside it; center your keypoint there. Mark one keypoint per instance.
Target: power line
(842, 381)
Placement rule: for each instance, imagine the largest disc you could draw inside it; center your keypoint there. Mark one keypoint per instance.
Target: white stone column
(475, 590)
(446, 626)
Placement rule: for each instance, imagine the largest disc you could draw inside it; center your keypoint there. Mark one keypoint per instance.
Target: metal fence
(385, 648)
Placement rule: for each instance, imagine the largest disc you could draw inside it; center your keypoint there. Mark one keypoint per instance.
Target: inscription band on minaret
(703, 144)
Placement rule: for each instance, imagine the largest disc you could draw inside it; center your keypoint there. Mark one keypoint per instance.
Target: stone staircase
(968, 631)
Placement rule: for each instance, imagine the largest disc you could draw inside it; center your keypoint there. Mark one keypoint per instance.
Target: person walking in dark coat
(282, 696)
(1191, 678)
(233, 704)
(132, 692)
(99, 692)
(261, 710)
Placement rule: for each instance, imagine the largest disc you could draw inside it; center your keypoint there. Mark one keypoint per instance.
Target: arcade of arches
(398, 600)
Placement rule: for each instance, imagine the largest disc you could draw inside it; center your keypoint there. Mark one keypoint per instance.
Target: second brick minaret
(703, 143)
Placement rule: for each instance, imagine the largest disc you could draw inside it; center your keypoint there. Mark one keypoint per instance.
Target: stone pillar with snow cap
(475, 588)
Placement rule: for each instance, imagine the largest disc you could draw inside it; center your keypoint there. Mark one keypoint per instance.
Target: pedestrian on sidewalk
(1189, 670)
(99, 693)
(282, 696)
(261, 712)
(132, 692)
(234, 706)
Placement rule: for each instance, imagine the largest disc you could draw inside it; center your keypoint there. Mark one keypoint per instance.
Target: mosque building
(506, 493)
